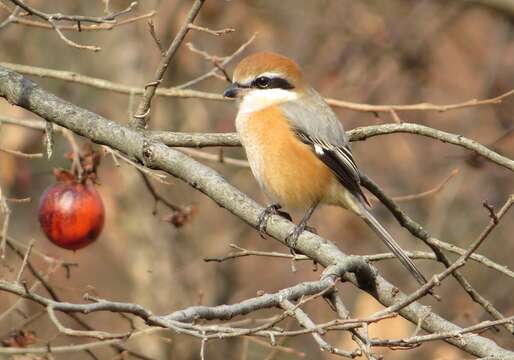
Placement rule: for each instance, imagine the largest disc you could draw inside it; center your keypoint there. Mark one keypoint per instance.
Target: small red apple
(71, 212)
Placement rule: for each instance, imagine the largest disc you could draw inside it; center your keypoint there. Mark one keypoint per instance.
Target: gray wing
(327, 138)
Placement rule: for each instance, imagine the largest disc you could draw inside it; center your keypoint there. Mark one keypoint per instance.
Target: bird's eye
(262, 82)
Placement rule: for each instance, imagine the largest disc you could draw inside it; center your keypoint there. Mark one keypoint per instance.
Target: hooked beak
(232, 91)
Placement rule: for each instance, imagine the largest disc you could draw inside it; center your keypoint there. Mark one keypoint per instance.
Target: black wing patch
(340, 160)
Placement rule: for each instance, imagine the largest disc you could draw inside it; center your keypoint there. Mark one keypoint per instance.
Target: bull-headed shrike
(296, 146)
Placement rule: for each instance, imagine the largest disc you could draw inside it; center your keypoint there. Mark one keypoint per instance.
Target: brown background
(378, 52)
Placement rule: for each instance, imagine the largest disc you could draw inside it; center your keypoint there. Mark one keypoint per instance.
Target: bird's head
(265, 79)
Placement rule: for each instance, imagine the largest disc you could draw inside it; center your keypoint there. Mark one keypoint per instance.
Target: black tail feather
(392, 245)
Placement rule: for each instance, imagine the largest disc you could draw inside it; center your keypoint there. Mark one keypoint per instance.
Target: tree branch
(143, 110)
(135, 144)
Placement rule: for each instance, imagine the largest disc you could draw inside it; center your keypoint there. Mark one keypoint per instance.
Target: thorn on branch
(492, 213)
(25, 287)
(67, 268)
(151, 28)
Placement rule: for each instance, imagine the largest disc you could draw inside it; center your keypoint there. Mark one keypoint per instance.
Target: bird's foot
(273, 209)
(292, 238)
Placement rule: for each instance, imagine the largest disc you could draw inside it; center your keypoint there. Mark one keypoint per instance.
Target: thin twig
(143, 110)
(24, 261)
(417, 107)
(429, 192)
(110, 18)
(100, 335)
(307, 323)
(53, 20)
(4, 208)
(155, 175)
(151, 29)
(93, 27)
(75, 153)
(209, 31)
(42, 279)
(158, 197)
(418, 231)
(22, 154)
(414, 341)
(19, 201)
(461, 261)
(215, 69)
(212, 157)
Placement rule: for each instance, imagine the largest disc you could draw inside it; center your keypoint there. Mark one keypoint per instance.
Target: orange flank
(290, 172)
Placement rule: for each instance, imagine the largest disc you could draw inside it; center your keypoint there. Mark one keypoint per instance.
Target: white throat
(256, 100)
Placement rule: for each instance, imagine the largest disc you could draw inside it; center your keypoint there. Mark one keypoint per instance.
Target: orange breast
(286, 168)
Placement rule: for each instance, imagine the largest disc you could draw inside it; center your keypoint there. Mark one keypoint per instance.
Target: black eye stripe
(273, 83)
(280, 83)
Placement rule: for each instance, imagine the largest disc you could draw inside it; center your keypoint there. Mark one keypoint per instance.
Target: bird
(297, 148)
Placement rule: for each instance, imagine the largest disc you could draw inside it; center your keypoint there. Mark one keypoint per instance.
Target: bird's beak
(232, 91)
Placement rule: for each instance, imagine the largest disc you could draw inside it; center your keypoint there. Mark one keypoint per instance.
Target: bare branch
(151, 28)
(110, 18)
(52, 19)
(6, 211)
(143, 110)
(363, 133)
(215, 69)
(94, 27)
(22, 154)
(417, 340)
(109, 85)
(242, 252)
(212, 32)
(429, 192)
(180, 91)
(42, 279)
(101, 335)
(24, 262)
(307, 323)
(393, 109)
(418, 231)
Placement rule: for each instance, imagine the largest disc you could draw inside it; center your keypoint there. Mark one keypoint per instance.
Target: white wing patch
(318, 149)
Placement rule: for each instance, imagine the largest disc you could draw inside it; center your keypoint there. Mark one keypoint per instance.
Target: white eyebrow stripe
(271, 74)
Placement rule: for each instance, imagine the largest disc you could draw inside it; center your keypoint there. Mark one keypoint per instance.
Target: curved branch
(363, 133)
(20, 91)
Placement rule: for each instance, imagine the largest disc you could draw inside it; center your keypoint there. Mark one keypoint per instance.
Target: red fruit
(71, 214)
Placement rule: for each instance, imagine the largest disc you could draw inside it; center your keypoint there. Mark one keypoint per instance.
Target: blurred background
(377, 52)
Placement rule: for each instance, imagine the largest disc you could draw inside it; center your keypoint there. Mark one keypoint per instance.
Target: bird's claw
(292, 238)
(262, 221)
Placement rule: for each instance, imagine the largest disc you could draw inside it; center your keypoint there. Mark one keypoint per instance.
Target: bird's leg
(293, 236)
(273, 209)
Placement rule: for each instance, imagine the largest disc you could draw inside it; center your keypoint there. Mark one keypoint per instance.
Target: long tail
(392, 245)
